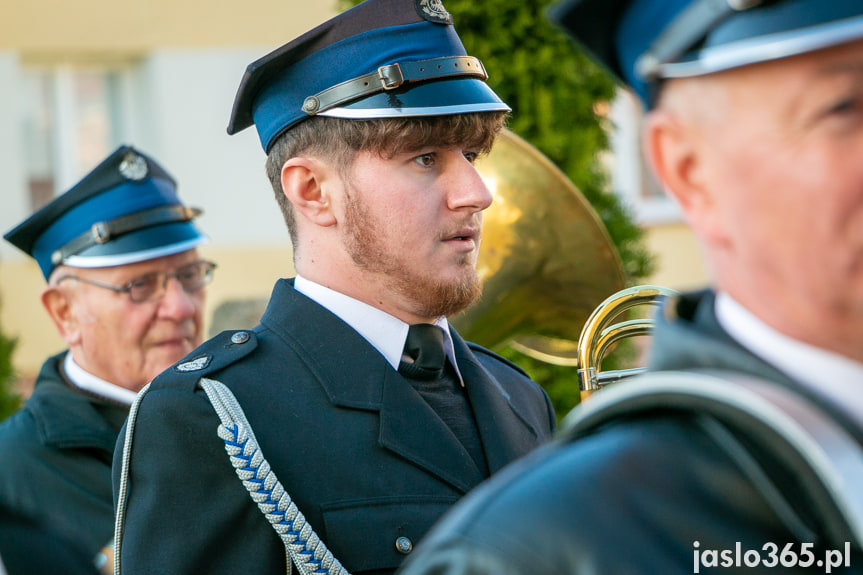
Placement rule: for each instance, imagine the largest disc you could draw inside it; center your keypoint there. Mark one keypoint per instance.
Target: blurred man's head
(125, 283)
(755, 126)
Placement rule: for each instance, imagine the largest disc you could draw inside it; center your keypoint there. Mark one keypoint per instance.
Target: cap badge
(133, 167)
(433, 11)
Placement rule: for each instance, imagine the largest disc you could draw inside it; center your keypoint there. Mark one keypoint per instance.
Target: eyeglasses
(153, 286)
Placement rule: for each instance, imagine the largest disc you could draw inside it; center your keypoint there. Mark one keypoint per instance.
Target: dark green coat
(55, 458)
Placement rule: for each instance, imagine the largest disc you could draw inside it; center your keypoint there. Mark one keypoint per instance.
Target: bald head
(764, 161)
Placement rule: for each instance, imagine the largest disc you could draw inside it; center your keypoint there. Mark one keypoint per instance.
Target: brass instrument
(600, 333)
(547, 265)
(546, 259)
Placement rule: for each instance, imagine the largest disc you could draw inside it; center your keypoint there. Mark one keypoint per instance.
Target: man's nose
(469, 189)
(177, 302)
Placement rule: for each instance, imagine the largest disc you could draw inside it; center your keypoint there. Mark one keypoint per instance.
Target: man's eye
(143, 281)
(425, 159)
(845, 106)
(187, 274)
(471, 156)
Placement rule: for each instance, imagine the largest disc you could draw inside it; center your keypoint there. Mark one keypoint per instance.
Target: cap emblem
(433, 11)
(133, 167)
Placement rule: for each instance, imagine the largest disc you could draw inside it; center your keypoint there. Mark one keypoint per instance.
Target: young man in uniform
(373, 414)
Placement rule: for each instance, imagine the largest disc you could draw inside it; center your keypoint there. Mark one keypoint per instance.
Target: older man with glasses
(125, 289)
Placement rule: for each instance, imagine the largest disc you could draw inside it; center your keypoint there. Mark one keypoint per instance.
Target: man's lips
(463, 234)
(181, 341)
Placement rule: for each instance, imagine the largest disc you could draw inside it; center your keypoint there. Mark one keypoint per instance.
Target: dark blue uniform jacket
(363, 456)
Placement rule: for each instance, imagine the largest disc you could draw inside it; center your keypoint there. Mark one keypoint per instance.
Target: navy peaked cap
(124, 211)
(646, 41)
(382, 58)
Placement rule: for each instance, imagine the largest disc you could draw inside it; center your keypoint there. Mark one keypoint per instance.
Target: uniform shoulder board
(480, 350)
(214, 354)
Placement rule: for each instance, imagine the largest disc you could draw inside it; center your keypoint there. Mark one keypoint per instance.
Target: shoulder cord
(303, 546)
(122, 496)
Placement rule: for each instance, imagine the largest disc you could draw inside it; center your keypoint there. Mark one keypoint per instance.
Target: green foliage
(558, 99)
(9, 400)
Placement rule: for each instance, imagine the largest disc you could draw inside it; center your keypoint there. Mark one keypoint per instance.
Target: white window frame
(630, 175)
(63, 99)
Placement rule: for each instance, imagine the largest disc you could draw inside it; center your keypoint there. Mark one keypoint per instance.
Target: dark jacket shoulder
(490, 359)
(215, 354)
(568, 496)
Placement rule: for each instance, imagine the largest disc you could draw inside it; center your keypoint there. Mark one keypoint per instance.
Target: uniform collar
(384, 332)
(87, 381)
(829, 375)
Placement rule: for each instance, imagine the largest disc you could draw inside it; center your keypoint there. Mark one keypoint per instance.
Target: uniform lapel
(356, 375)
(505, 434)
(410, 428)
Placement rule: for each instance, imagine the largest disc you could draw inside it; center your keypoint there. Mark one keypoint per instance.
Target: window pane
(95, 101)
(38, 130)
(69, 126)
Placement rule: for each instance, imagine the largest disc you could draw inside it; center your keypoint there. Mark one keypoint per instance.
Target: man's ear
(306, 183)
(59, 304)
(676, 152)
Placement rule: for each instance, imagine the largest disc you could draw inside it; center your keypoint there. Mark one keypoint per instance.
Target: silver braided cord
(305, 549)
(120, 519)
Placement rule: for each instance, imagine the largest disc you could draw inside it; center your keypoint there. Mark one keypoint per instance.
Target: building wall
(107, 29)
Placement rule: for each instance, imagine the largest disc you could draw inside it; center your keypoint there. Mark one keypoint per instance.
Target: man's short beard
(431, 296)
(445, 299)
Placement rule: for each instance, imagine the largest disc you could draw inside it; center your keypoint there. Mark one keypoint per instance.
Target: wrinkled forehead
(786, 84)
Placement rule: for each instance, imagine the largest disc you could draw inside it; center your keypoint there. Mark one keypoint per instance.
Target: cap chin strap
(391, 77)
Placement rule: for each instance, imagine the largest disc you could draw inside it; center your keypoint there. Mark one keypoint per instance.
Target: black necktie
(423, 357)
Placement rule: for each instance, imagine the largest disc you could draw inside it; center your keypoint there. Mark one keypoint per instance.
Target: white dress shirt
(835, 377)
(89, 382)
(384, 332)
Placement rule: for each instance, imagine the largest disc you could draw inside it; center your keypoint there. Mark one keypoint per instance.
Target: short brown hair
(338, 140)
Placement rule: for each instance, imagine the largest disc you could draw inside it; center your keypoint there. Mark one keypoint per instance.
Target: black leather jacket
(665, 492)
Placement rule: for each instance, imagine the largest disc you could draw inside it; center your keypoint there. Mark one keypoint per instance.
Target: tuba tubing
(600, 333)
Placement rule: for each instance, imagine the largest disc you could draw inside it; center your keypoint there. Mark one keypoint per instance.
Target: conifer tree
(9, 399)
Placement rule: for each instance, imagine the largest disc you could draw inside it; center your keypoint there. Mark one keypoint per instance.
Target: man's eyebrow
(850, 66)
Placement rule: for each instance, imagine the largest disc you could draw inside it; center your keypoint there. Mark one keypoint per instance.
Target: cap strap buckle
(391, 77)
(101, 232)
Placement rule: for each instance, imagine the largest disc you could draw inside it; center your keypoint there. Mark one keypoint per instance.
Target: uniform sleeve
(186, 510)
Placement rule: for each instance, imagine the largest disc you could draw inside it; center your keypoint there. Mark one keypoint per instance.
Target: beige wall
(112, 28)
(679, 263)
